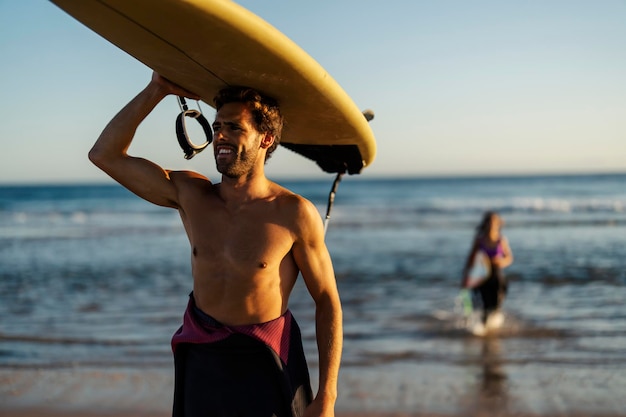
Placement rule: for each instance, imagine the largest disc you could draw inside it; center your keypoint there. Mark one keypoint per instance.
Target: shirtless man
(249, 238)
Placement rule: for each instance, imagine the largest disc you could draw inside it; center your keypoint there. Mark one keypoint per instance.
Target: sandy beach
(437, 393)
(89, 413)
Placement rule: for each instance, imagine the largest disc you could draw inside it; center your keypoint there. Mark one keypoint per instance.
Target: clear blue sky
(459, 87)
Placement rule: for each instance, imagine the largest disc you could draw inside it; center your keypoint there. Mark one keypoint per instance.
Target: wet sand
(34, 412)
(424, 390)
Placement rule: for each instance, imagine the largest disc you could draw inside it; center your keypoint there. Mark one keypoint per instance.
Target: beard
(241, 164)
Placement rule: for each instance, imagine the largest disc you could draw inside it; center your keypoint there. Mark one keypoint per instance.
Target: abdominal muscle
(239, 295)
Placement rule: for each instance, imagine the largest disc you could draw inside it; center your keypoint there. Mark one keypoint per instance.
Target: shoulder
(297, 204)
(190, 184)
(188, 179)
(186, 176)
(302, 212)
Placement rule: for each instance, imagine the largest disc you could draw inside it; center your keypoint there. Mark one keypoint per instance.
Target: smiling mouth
(224, 151)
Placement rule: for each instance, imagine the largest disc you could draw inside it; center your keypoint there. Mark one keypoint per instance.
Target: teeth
(224, 151)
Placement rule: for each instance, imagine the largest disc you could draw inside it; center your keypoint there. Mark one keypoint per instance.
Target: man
(239, 350)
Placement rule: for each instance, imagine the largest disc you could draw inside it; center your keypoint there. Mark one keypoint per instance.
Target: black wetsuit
(257, 370)
(493, 290)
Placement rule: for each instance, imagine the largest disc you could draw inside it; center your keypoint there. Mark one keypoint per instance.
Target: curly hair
(266, 114)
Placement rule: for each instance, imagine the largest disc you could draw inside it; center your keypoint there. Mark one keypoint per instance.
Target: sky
(459, 87)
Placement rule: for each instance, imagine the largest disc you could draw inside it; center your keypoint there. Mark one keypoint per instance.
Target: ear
(267, 141)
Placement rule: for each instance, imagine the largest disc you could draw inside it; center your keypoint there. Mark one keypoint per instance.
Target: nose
(217, 135)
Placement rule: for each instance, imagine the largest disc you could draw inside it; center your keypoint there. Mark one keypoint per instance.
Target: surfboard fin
(334, 159)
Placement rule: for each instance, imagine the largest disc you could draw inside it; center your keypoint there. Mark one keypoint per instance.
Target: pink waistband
(275, 333)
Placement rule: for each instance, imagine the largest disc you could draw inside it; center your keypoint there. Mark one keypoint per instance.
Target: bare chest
(243, 241)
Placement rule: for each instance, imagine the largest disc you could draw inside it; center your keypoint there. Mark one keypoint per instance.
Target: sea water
(93, 277)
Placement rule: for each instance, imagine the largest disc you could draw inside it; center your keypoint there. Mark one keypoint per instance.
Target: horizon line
(321, 177)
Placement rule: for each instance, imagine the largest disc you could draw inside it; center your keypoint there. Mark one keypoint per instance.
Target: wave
(85, 223)
(49, 339)
(503, 205)
(376, 213)
(553, 201)
(426, 219)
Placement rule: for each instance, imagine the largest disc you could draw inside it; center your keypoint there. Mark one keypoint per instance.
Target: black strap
(331, 199)
(189, 148)
(341, 170)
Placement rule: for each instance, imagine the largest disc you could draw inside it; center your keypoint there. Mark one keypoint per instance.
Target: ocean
(94, 281)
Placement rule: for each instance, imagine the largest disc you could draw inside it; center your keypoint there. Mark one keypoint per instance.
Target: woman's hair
(266, 114)
(483, 227)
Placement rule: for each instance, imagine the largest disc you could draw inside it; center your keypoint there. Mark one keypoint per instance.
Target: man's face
(236, 142)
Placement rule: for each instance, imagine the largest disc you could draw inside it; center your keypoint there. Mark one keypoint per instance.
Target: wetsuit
(493, 290)
(253, 370)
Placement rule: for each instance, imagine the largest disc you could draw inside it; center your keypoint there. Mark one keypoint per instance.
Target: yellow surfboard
(204, 45)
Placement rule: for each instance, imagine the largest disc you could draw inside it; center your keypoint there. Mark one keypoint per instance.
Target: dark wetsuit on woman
(256, 370)
(494, 289)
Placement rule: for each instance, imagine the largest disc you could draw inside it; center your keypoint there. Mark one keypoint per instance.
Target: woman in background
(490, 241)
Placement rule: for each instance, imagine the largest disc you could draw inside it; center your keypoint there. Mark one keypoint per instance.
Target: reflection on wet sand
(490, 393)
(494, 389)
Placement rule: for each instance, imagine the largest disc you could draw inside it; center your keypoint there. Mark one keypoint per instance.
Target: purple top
(492, 251)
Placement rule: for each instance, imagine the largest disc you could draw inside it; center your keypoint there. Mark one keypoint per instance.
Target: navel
(195, 251)
(262, 265)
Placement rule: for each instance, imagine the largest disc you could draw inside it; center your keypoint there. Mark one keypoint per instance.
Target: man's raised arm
(144, 178)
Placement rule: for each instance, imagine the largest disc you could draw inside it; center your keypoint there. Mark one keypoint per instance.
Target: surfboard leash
(369, 116)
(189, 148)
(331, 199)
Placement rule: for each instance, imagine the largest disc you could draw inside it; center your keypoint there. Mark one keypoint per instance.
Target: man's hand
(168, 87)
(316, 409)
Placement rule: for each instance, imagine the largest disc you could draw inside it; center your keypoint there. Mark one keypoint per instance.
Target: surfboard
(480, 269)
(205, 45)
